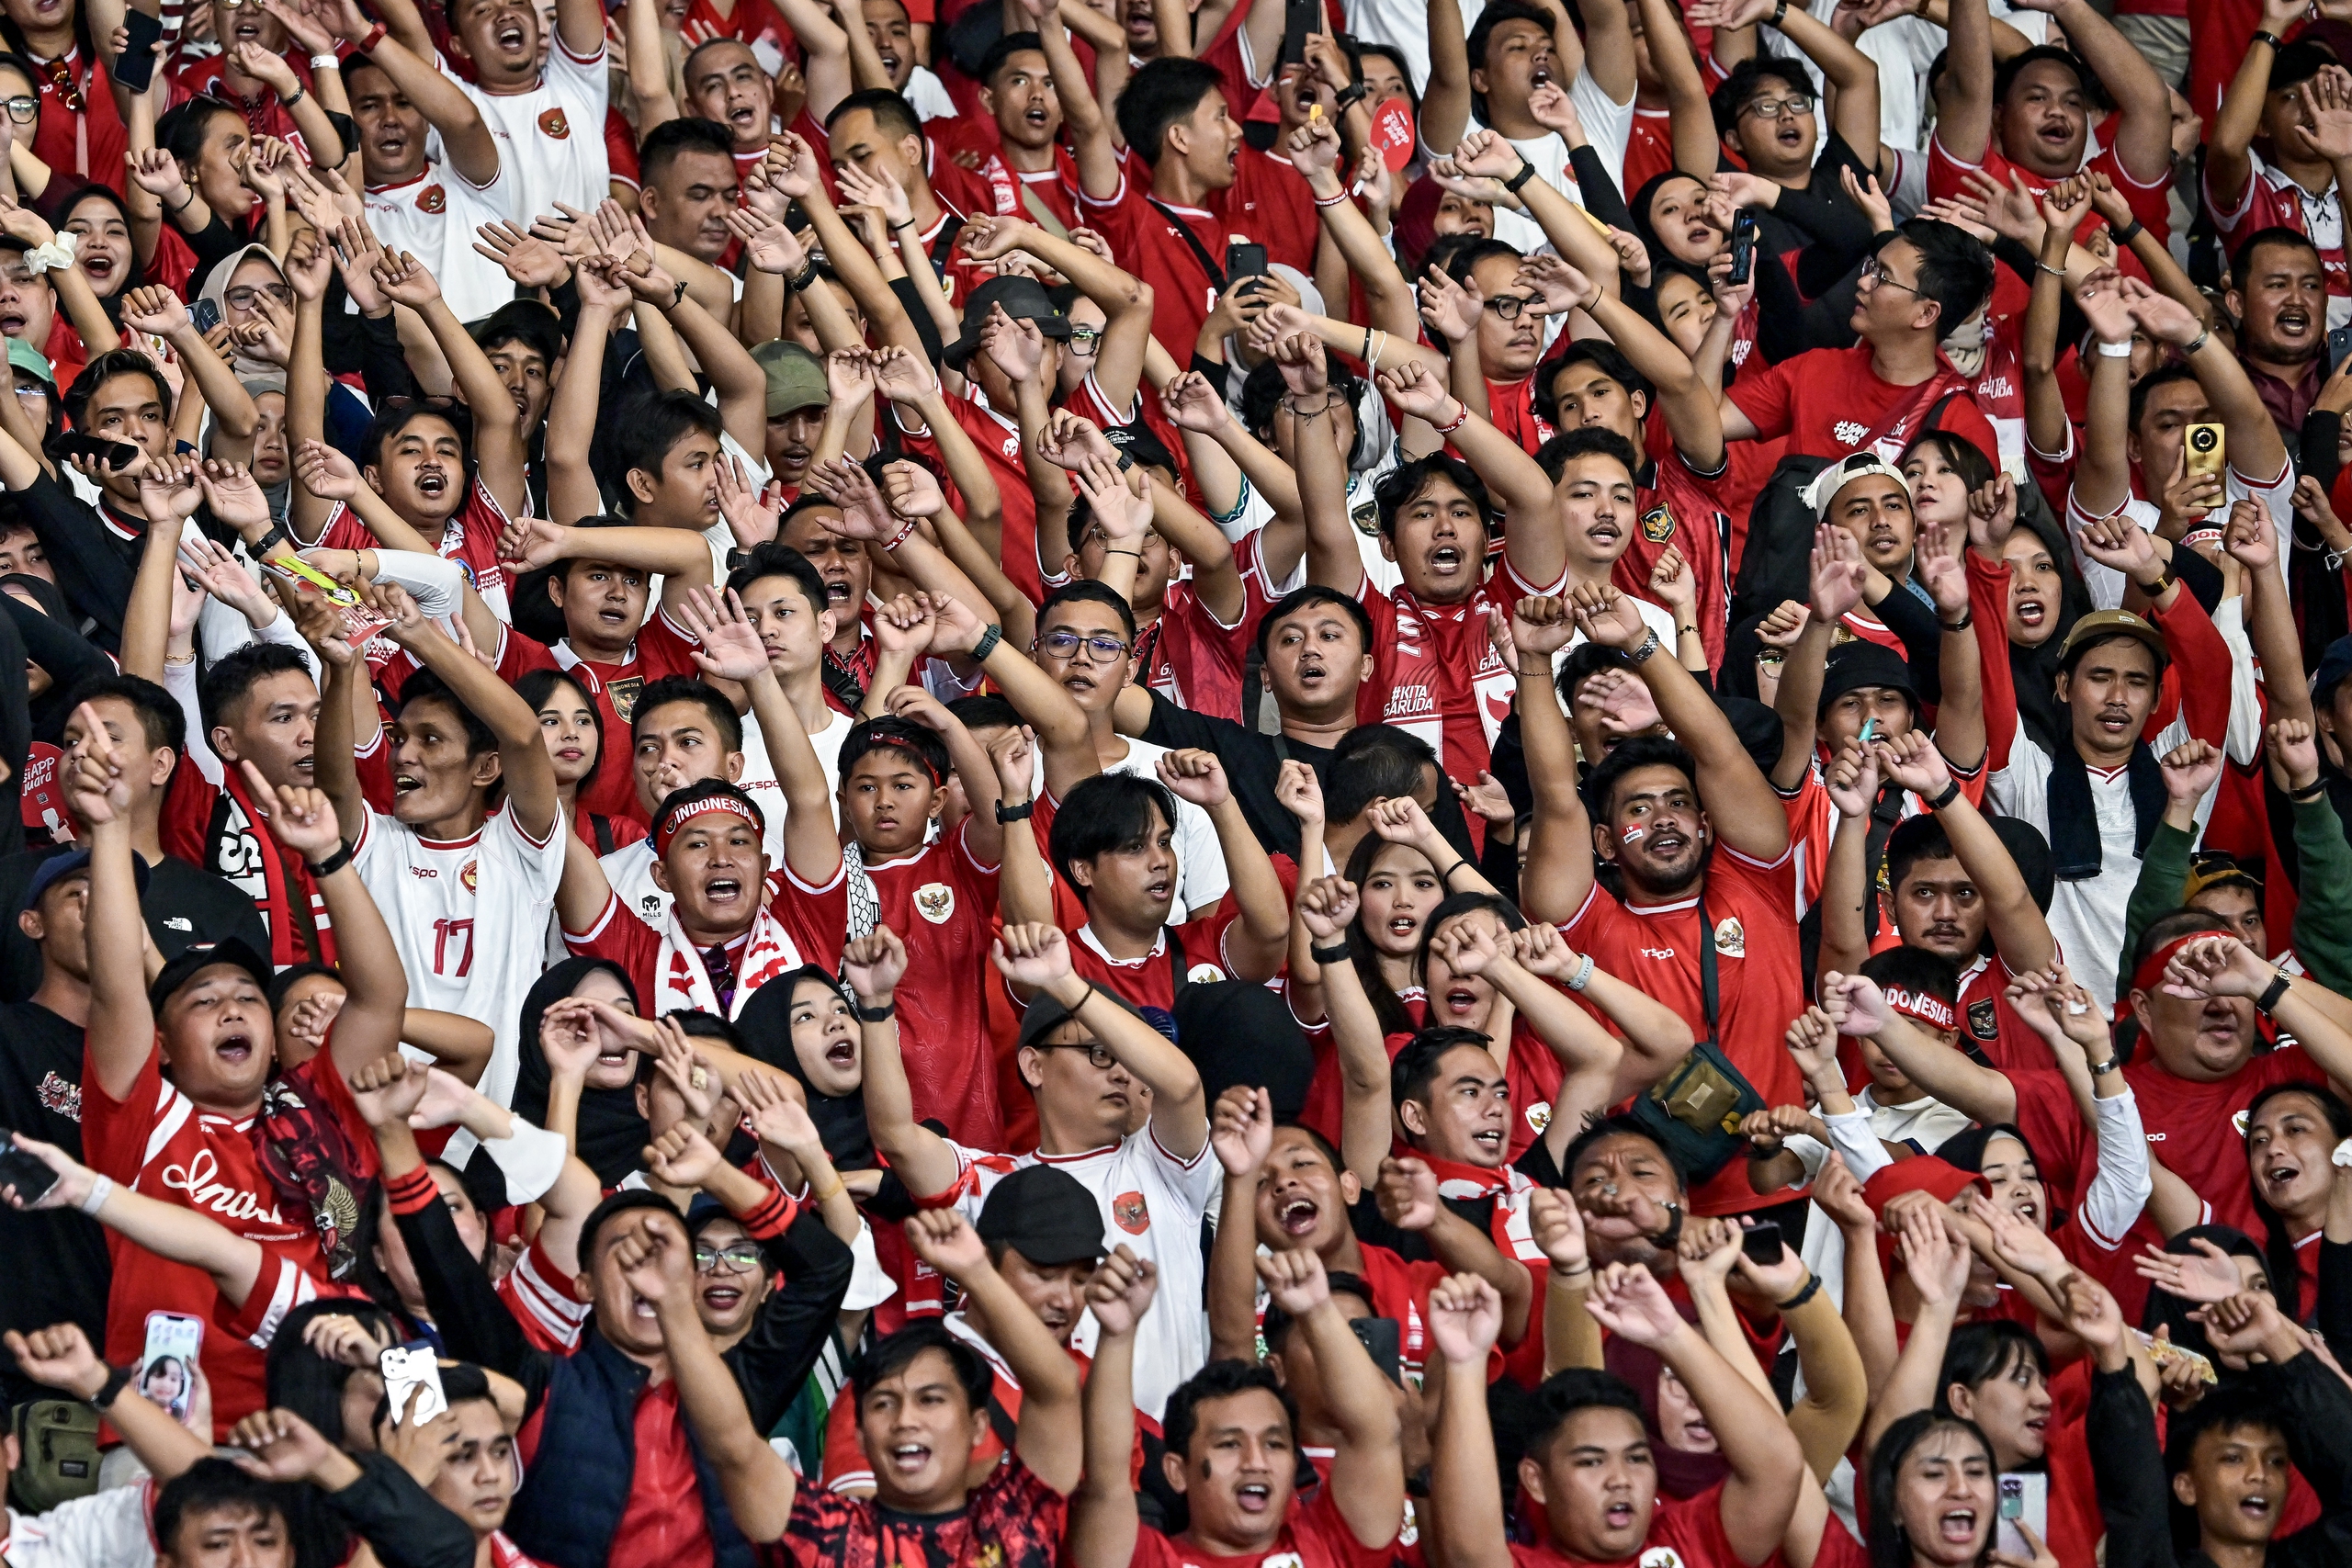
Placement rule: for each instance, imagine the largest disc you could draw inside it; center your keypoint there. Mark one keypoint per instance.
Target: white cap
(1837, 476)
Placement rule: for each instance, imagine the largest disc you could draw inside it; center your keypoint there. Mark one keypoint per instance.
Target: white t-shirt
(105, 1530)
(435, 216)
(1201, 877)
(1608, 125)
(1152, 1204)
(468, 919)
(551, 137)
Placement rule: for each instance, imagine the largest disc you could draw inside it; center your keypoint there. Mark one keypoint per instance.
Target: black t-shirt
(57, 1270)
(1253, 762)
(185, 907)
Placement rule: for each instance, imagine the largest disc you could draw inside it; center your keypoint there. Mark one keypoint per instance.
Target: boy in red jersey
(1232, 1440)
(1588, 1468)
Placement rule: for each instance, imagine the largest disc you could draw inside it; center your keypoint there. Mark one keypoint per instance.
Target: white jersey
(434, 218)
(1152, 1204)
(468, 919)
(551, 138)
(105, 1530)
(758, 773)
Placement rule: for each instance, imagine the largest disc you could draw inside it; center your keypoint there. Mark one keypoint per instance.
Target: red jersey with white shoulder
(1435, 672)
(1750, 919)
(2271, 201)
(1145, 237)
(1018, 193)
(291, 1176)
(1683, 1533)
(1678, 507)
(470, 537)
(1269, 201)
(469, 918)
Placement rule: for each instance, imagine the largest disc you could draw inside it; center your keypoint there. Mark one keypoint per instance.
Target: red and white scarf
(682, 981)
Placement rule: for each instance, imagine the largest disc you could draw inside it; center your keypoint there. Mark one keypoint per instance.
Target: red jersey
(1015, 193)
(80, 132)
(1510, 408)
(470, 537)
(942, 901)
(267, 116)
(1435, 672)
(1150, 982)
(1828, 401)
(1145, 236)
(1679, 510)
(1269, 201)
(1692, 1531)
(1650, 147)
(998, 440)
(284, 1178)
(1532, 1071)
(1192, 657)
(2271, 201)
(1315, 1535)
(2152, 205)
(792, 924)
(1759, 977)
(620, 149)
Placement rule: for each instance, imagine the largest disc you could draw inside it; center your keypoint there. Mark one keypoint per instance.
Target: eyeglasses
(1773, 108)
(24, 110)
(1873, 275)
(1083, 339)
(741, 1257)
(244, 298)
(1102, 647)
(1097, 1053)
(1508, 306)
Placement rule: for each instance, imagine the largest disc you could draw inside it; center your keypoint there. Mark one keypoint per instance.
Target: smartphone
(115, 454)
(167, 1361)
(2024, 1499)
(1243, 260)
(2209, 452)
(1383, 1340)
(24, 1171)
(204, 315)
(1762, 1243)
(1300, 18)
(412, 1368)
(135, 66)
(1743, 247)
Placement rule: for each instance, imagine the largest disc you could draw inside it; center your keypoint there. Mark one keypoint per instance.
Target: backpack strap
(1192, 242)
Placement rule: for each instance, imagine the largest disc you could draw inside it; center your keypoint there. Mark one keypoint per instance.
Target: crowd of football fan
(1247, 783)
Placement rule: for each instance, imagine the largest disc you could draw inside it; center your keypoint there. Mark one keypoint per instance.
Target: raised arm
(1964, 106)
(121, 1030)
(2020, 931)
(1857, 1006)
(873, 965)
(1102, 1524)
(1036, 958)
(472, 150)
(375, 987)
(524, 765)
(1048, 1435)
(1260, 940)
(1741, 804)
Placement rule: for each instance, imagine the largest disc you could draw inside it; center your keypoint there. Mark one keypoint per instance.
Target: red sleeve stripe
(773, 1217)
(411, 1193)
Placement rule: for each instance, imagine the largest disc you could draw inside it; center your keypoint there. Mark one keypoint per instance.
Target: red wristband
(374, 36)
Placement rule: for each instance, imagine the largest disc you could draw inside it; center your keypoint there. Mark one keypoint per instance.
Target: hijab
(1680, 1474)
(2164, 1310)
(612, 1133)
(766, 1024)
(280, 493)
(216, 288)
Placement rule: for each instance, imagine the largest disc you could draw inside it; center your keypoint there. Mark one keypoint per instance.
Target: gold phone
(2208, 451)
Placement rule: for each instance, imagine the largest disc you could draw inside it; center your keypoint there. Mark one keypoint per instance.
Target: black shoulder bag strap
(1710, 998)
(1179, 966)
(1192, 242)
(943, 249)
(602, 826)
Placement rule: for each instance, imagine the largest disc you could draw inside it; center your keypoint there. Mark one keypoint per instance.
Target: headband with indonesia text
(686, 811)
(1933, 1011)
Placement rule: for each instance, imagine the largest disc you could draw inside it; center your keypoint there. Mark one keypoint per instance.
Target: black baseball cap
(1024, 299)
(2334, 669)
(179, 971)
(1045, 1015)
(1046, 1214)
